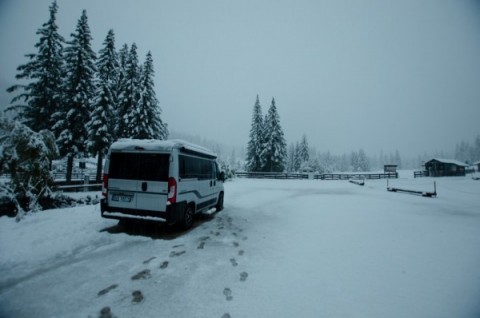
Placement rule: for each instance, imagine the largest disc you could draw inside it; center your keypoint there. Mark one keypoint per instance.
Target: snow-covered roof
(450, 161)
(476, 163)
(159, 145)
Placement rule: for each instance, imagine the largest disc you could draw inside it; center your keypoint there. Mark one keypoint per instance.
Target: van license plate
(122, 198)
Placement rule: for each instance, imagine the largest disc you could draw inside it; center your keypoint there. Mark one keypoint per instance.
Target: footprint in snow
(137, 296)
(243, 276)
(202, 240)
(149, 260)
(175, 254)
(226, 315)
(142, 275)
(106, 312)
(241, 252)
(236, 244)
(106, 290)
(234, 262)
(228, 294)
(164, 265)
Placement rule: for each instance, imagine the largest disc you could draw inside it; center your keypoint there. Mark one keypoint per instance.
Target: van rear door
(152, 188)
(138, 180)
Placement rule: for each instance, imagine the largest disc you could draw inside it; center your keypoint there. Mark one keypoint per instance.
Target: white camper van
(167, 181)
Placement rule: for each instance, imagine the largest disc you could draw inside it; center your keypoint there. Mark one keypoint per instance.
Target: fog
(377, 75)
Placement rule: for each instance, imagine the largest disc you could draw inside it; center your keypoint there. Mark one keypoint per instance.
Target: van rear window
(139, 166)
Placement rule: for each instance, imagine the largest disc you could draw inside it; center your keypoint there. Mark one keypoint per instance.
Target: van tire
(219, 205)
(188, 216)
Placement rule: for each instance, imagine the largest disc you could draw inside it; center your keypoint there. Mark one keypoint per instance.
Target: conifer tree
(275, 147)
(44, 71)
(145, 120)
(291, 158)
(130, 96)
(297, 159)
(304, 150)
(79, 92)
(354, 161)
(100, 127)
(255, 144)
(120, 86)
(363, 162)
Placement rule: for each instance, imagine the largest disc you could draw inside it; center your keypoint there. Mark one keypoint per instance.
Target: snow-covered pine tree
(26, 155)
(297, 160)
(363, 162)
(100, 127)
(275, 147)
(290, 157)
(44, 72)
(128, 106)
(120, 86)
(343, 163)
(476, 147)
(255, 144)
(398, 159)
(304, 150)
(354, 161)
(146, 122)
(79, 93)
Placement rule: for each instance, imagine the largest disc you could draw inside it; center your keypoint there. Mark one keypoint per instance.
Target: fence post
(86, 181)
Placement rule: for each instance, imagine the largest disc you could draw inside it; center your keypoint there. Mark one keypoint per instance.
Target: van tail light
(172, 191)
(105, 185)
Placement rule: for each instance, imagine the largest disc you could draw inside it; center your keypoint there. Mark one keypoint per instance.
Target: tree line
(468, 153)
(86, 100)
(267, 150)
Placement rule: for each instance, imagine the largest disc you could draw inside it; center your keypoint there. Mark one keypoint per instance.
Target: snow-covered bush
(26, 156)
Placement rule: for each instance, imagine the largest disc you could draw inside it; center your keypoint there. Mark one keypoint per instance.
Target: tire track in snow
(56, 263)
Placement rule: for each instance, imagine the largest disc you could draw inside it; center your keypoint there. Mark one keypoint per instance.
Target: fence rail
(80, 187)
(325, 176)
(348, 176)
(419, 174)
(271, 175)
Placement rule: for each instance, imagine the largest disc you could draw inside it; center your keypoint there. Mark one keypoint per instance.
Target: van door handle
(144, 186)
(211, 183)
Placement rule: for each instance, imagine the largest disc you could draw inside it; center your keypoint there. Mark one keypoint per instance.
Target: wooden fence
(325, 176)
(419, 174)
(348, 176)
(271, 175)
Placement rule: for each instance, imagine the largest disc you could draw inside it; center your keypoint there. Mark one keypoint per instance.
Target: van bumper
(172, 215)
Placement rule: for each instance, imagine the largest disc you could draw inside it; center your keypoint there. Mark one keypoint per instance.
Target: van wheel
(188, 217)
(219, 205)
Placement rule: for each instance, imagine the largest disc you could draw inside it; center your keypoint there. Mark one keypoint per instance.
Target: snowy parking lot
(281, 248)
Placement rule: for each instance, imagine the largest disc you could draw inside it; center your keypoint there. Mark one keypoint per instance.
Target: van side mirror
(221, 177)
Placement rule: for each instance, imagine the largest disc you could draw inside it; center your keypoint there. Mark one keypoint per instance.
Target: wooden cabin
(445, 168)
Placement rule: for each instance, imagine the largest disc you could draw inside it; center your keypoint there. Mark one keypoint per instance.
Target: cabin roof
(449, 161)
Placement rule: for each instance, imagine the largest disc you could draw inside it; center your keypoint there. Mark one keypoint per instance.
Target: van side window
(192, 167)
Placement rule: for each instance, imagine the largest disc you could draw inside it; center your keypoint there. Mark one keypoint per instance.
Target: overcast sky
(377, 75)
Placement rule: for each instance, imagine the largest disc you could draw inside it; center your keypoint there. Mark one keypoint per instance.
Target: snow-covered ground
(293, 248)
